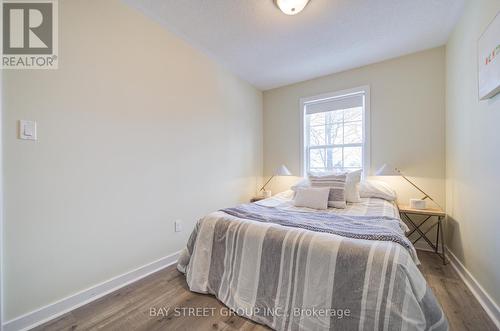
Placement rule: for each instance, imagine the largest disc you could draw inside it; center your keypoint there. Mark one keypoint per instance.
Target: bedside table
(255, 199)
(405, 212)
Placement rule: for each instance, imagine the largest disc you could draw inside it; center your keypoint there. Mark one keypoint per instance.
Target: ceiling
(256, 41)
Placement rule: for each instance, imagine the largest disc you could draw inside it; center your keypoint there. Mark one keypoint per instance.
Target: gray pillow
(336, 183)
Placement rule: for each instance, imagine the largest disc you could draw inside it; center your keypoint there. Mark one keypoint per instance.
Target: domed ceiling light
(291, 7)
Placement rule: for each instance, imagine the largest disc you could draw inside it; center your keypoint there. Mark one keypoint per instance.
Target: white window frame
(366, 124)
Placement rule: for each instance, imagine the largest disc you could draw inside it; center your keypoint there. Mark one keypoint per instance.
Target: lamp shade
(388, 170)
(282, 171)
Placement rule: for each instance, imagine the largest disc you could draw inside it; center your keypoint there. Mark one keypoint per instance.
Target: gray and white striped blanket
(381, 228)
(292, 278)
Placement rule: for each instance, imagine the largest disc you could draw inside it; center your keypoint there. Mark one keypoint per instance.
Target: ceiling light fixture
(291, 7)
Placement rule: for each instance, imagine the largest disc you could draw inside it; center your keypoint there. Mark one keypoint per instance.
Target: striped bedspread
(292, 278)
(381, 228)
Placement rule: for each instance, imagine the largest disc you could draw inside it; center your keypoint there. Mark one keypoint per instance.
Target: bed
(288, 268)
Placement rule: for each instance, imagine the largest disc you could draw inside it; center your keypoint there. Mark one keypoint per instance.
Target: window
(335, 131)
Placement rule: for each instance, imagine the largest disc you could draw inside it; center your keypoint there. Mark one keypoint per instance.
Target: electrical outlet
(178, 225)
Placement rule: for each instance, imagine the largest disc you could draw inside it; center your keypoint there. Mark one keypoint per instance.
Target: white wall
(136, 129)
(407, 119)
(472, 153)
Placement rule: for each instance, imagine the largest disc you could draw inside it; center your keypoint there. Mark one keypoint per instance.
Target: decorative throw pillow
(352, 186)
(312, 197)
(376, 189)
(336, 183)
(304, 182)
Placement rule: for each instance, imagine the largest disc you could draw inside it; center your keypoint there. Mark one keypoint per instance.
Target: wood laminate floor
(129, 308)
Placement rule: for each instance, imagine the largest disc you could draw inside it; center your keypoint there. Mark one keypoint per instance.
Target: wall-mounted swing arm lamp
(280, 171)
(387, 170)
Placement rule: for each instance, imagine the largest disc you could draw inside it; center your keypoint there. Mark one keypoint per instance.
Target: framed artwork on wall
(489, 60)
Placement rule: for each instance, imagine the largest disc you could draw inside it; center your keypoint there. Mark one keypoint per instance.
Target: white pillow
(352, 186)
(376, 189)
(304, 182)
(312, 197)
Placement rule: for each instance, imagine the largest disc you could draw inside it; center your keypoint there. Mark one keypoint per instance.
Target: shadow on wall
(453, 237)
(421, 243)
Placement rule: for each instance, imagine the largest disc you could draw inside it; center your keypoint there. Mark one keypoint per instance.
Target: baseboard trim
(477, 290)
(58, 308)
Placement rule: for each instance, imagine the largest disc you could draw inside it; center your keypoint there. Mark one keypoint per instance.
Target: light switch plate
(27, 130)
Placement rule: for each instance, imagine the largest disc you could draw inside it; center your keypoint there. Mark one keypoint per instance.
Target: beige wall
(407, 119)
(136, 129)
(472, 153)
